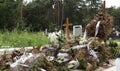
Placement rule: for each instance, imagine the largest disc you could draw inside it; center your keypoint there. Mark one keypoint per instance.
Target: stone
(46, 32)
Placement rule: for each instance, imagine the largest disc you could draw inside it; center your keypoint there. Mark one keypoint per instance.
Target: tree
(90, 10)
(115, 12)
(38, 14)
(8, 14)
(20, 14)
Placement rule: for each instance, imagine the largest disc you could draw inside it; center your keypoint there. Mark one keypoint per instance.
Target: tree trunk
(20, 15)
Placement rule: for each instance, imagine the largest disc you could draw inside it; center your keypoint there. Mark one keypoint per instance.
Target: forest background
(20, 21)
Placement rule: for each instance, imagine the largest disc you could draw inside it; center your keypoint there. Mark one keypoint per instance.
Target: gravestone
(46, 32)
(77, 30)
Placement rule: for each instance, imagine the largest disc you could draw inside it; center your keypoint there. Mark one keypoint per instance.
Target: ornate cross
(67, 28)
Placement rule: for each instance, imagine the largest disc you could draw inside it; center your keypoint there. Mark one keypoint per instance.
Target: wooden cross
(104, 7)
(67, 28)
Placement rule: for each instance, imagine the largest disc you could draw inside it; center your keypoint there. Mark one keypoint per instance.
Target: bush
(113, 48)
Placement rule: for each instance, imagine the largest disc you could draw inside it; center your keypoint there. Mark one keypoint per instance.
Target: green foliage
(51, 27)
(115, 12)
(61, 38)
(23, 38)
(112, 44)
(39, 14)
(114, 48)
(8, 14)
(62, 68)
(113, 52)
(83, 63)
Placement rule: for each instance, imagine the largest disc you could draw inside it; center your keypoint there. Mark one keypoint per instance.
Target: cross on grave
(67, 28)
(104, 7)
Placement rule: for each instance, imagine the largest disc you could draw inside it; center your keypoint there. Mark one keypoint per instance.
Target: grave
(77, 30)
(88, 55)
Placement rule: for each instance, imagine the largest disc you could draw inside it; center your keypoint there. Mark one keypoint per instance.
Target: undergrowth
(22, 38)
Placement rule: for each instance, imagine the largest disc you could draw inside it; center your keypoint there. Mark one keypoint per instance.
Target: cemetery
(88, 48)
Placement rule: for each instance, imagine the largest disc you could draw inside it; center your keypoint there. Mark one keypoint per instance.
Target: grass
(22, 39)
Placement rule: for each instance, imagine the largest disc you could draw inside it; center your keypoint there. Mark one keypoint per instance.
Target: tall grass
(22, 39)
